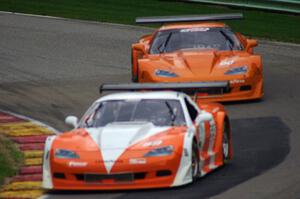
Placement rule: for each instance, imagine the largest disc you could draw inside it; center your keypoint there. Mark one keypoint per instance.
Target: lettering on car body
(137, 161)
(194, 30)
(237, 81)
(77, 164)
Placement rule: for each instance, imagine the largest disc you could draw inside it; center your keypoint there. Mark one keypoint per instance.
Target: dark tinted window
(194, 38)
(191, 109)
(159, 112)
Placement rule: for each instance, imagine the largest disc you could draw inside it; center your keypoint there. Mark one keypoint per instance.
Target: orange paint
(214, 64)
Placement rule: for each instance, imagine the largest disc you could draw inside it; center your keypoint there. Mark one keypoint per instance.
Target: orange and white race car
(196, 48)
(133, 140)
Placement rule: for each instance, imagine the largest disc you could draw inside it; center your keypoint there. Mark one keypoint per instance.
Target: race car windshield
(167, 41)
(157, 111)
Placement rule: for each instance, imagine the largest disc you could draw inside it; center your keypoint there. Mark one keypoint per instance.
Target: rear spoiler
(193, 87)
(188, 18)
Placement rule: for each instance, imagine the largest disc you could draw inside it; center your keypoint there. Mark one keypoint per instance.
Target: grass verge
(10, 158)
(274, 26)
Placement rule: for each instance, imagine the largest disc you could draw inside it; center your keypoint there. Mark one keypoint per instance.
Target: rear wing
(188, 18)
(189, 88)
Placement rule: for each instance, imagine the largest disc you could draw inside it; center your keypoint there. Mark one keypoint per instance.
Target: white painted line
(75, 20)
(31, 120)
(31, 15)
(279, 43)
(43, 196)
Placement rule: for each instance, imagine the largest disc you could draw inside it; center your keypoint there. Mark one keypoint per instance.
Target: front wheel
(225, 144)
(134, 67)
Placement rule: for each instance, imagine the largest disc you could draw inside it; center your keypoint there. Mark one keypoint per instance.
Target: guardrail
(289, 6)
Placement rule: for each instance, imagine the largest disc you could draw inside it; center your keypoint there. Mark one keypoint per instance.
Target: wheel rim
(225, 145)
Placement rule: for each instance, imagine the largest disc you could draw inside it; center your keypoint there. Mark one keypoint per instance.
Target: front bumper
(241, 87)
(238, 92)
(156, 172)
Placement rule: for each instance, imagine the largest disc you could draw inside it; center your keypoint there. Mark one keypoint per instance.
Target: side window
(191, 109)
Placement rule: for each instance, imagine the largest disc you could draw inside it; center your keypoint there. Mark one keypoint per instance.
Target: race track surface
(50, 68)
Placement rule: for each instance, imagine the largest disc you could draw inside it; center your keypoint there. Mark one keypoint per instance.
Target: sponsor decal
(137, 161)
(194, 30)
(47, 155)
(237, 81)
(226, 62)
(77, 164)
(152, 143)
(109, 161)
(186, 152)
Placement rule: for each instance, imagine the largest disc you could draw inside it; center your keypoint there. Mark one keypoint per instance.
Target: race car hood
(120, 136)
(199, 63)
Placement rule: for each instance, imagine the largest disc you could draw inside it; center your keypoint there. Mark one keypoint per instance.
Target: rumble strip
(30, 136)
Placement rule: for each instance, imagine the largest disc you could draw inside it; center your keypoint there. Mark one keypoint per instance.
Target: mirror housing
(71, 121)
(251, 43)
(204, 117)
(139, 47)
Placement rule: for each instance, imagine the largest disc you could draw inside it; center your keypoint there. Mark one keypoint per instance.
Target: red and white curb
(30, 136)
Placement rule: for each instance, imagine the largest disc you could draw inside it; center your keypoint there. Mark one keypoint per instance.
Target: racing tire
(195, 162)
(225, 143)
(134, 77)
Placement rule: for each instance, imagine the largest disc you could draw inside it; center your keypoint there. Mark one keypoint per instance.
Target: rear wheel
(225, 143)
(195, 162)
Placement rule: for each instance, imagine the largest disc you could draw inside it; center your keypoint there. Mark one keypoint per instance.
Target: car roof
(143, 95)
(192, 25)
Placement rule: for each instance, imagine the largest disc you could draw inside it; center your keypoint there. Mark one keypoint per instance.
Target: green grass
(10, 158)
(274, 26)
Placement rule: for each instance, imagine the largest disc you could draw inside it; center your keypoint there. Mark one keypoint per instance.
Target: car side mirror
(72, 121)
(140, 47)
(204, 117)
(251, 43)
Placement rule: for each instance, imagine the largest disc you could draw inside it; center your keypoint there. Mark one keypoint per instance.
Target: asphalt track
(50, 68)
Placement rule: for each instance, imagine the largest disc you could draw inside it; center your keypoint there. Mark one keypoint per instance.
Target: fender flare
(47, 175)
(184, 172)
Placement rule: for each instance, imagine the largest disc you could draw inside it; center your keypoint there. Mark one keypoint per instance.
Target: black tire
(134, 78)
(195, 162)
(225, 143)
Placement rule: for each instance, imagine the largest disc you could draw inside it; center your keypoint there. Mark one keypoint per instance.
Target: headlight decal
(237, 70)
(65, 154)
(164, 73)
(162, 151)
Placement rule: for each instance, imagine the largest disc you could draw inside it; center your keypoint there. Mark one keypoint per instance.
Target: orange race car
(193, 49)
(139, 140)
